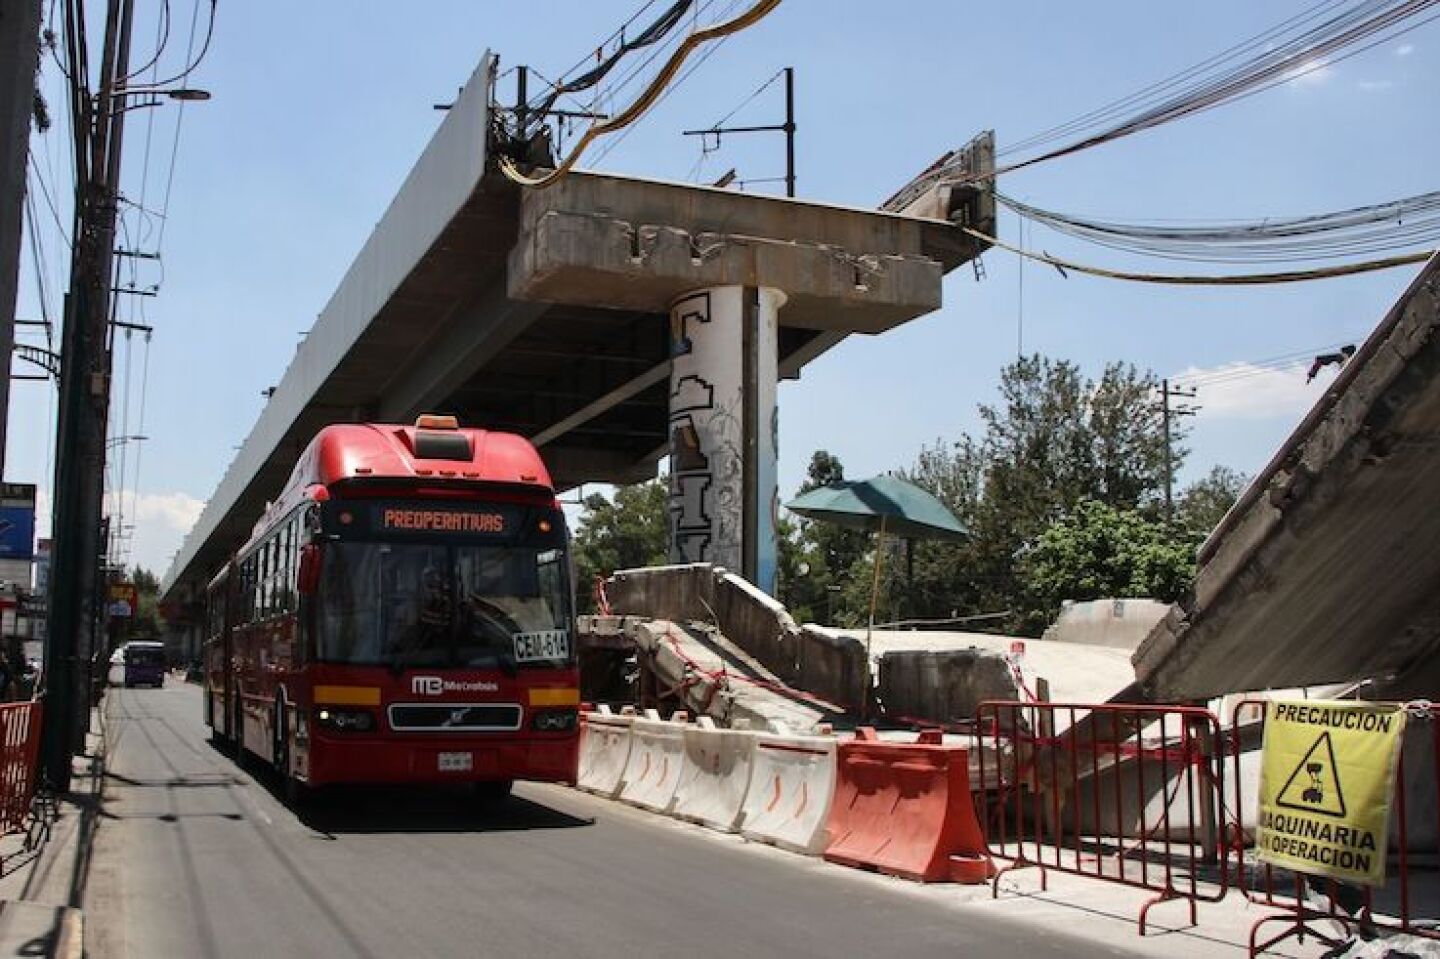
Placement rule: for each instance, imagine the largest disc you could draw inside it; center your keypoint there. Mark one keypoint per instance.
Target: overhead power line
(1288, 51)
(652, 34)
(646, 99)
(1396, 225)
(611, 145)
(1242, 279)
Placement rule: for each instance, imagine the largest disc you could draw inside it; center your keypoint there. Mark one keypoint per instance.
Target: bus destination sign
(417, 521)
(396, 519)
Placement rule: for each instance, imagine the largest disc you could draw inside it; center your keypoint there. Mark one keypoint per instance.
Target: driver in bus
(432, 621)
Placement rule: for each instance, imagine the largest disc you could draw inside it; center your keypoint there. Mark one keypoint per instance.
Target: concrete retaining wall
(1118, 623)
(946, 686)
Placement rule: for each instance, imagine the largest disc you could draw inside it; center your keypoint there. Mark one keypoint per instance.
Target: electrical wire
(1153, 93)
(162, 40)
(1244, 279)
(49, 200)
(646, 100)
(619, 34)
(657, 31)
(1401, 224)
(1241, 369)
(193, 60)
(749, 100)
(179, 123)
(709, 52)
(37, 255)
(665, 48)
(693, 175)
(1284, 53)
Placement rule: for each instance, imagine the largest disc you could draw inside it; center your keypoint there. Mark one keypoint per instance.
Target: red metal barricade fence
(19, 756)
(1410, 900)
(1126, 794)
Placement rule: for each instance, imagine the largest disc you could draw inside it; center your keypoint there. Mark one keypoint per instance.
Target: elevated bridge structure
(1325, 570)
(611, 320)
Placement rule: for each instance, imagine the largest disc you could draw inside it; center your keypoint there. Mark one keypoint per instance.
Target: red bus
(402, 613)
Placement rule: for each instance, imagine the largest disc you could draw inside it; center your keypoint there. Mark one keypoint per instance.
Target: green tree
(1208, 499)
(145, 624)
(1054, 439)
(1099, 551)
(625, 532)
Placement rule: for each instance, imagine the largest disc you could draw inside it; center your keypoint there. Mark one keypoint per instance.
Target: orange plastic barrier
(905, 809)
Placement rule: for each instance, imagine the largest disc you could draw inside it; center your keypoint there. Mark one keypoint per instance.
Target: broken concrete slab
(1325, 569)
(1072, 673)
(826, 664)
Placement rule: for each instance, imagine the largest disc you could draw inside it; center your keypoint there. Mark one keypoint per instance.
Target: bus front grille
(454, 717)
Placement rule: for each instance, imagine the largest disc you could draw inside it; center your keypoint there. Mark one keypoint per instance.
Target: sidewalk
(41, 890)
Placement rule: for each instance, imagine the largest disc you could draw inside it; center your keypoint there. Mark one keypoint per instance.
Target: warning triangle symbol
(1314, 785)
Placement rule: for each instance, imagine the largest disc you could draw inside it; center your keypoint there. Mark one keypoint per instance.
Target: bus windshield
(405, 605)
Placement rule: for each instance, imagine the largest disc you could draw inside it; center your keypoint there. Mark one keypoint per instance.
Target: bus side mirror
(309, 575)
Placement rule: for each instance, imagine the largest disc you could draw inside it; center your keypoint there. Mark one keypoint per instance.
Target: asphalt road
(194, 857)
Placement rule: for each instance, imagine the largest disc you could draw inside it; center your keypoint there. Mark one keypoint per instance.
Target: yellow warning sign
(1326, 776)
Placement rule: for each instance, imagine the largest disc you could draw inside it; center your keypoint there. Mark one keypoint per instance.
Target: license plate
(542, 644)
(457, 762)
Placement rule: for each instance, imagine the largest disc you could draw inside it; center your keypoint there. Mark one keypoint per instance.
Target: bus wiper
(508, 664)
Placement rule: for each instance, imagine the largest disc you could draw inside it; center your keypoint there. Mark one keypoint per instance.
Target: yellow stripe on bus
(347, 696)
(555, 697)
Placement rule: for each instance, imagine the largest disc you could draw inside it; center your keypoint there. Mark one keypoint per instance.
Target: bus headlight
(345, 720)
(554, 720)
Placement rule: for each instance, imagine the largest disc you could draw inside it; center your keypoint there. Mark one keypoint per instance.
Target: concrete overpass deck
(1326, 569)
(545, 312)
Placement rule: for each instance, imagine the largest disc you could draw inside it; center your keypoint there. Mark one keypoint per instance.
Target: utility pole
(84, 393)
(19, 59)
(787, 128)
(1166, 411)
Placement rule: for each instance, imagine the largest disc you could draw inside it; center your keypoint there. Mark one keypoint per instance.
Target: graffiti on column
(705, 444)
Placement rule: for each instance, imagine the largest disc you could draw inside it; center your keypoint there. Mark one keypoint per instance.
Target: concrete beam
(1325, 570)
(607, 402)
(640, 245)
(455, 353)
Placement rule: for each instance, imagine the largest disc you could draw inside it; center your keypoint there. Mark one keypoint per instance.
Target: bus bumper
(337, 760)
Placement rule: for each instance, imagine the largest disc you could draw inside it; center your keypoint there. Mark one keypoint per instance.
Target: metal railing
(1409, 902)
(1126, 794)
(19, 759)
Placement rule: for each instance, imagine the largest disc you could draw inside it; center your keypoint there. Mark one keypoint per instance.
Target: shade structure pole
(870, 625)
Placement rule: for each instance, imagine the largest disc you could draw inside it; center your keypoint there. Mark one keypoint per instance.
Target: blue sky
(320, 109)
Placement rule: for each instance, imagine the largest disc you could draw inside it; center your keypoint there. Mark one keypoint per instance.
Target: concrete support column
(723, 486)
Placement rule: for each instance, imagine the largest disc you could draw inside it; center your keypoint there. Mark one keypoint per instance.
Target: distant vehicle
(144, 663)
(402, 613)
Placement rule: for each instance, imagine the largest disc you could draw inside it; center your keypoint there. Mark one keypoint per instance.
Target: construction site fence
(19, 761)
(1128, 794)
(1333, 911)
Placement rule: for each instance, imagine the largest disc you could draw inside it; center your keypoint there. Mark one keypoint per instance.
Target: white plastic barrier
(791, 786)
(657, 751)
(604, 751)
(715, 776)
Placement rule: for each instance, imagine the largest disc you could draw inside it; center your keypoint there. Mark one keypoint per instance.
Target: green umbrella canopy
(907, 510)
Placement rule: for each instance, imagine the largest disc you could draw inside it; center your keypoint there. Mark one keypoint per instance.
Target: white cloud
(1375, 86)
(1247, 391)
(160, 522)
(1405, 49)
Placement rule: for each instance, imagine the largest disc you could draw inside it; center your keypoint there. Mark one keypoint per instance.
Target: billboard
(17, 520)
